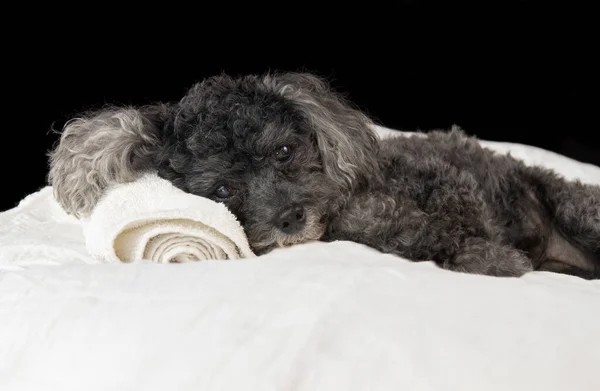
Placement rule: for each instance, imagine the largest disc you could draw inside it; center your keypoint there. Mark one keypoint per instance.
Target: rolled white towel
(150, 219)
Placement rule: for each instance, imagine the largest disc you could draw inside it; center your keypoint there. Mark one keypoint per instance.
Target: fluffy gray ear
(113, 145)
(347, 142)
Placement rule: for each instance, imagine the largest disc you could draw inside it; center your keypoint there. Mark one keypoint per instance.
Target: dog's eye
(283, 153)
(223, 191)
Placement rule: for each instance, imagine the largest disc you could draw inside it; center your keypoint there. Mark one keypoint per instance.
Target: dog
(296, 161)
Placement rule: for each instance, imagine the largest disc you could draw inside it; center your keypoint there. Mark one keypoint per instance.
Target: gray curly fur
(439, 198)
(99, 149)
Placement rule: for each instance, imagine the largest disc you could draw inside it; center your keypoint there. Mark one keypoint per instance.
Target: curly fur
(442, 197)
(99, 149)
(338, 127)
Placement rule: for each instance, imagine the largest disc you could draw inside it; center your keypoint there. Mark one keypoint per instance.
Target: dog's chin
(312, 231)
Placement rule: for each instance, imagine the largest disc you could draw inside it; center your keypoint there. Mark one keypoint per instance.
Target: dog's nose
(291, 220)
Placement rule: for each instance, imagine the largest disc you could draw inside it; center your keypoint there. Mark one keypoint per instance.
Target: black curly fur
(442, 197)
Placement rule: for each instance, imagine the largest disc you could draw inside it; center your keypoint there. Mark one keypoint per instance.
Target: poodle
(296, 161)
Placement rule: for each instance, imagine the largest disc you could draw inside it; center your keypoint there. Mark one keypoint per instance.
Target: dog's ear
(101, 148)
(346, 140)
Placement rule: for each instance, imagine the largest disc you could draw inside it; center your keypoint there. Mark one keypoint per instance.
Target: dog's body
(448, 199)
(295, 162)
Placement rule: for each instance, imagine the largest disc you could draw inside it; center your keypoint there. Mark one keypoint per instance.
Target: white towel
(150, 219)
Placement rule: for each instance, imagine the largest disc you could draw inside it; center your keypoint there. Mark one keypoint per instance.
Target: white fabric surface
(320, 316)
(152, 219)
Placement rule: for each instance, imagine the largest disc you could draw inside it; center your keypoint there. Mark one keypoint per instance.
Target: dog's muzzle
(290, 220)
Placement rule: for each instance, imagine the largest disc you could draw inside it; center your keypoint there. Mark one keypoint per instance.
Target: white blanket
(336, 316)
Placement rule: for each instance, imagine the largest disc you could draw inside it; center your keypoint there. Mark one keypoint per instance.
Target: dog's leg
(444, 237)
(574, 209)
(563, 268)
(480, 256)
(577, 213)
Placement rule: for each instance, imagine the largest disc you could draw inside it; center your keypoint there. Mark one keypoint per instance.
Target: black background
(535, 85)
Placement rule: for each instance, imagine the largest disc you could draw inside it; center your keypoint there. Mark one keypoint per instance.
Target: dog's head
(282, 151)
